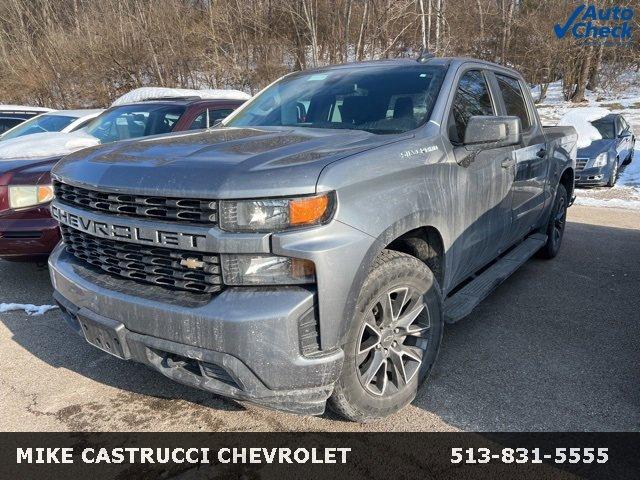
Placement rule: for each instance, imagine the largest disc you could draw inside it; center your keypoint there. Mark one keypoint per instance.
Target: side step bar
(460, 304)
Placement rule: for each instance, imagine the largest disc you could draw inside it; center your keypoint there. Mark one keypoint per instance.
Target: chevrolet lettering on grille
(147, 236)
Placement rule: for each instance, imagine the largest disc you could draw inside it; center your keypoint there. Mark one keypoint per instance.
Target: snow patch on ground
(580, 119)
(147, 93)
(27, 307)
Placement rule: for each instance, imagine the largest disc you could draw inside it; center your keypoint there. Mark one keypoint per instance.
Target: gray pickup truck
(310, 249)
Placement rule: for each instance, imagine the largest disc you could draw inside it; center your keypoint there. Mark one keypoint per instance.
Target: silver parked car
(598, 164)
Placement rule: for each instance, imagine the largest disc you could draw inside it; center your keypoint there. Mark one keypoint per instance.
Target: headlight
(600, 160)
(21, 196)
(275, 214)
(266, 270)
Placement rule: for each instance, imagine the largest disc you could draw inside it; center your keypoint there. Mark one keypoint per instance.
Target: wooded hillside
(70, 53)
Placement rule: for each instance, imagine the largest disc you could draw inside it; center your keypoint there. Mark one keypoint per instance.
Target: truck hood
(596, 148)
(218, 163)
(26, 171)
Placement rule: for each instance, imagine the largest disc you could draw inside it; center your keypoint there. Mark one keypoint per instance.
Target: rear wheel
(556, 224)
(393, 340)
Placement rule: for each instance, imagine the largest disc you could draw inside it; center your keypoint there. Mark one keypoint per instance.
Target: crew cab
(27, 231)
(312, 247)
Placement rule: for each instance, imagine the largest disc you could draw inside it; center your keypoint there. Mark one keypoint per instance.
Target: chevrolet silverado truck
(310, 249)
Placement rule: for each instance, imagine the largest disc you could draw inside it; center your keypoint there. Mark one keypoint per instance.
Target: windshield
(132, 121)
(376, 99)
(40, 124)
(606, 128)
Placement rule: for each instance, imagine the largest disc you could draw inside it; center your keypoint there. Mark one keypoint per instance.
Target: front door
(482, 180)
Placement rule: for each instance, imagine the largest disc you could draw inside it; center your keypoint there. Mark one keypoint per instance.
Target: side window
(472, 98)
(619, 127)
(217, 115)
(625, 125)
(199, 122)
(514, 99)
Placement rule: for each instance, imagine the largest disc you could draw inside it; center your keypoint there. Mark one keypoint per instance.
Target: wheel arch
(414, 235)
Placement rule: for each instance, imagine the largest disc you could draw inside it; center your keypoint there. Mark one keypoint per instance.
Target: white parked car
(63, 121)
(12, 115)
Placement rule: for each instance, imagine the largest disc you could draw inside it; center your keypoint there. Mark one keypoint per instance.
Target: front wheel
(556, 224)
(393, 340)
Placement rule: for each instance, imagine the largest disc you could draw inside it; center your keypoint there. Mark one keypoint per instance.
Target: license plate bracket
(105, 334)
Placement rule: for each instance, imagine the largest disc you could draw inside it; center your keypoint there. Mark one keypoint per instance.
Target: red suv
(27, 231)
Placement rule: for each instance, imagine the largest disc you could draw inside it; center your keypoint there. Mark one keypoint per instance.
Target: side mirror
(625, 134)
(492, 132)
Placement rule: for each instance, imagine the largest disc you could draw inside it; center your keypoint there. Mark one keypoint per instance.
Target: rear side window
(472, 98)
(514, 99)
(217, 115)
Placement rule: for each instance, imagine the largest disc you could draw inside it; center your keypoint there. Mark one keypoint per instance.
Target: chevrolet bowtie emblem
(191, 263)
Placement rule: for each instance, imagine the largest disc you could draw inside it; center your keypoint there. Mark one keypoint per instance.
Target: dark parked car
(27, 231)
(313, 246)
(13, 115)
(599, 163)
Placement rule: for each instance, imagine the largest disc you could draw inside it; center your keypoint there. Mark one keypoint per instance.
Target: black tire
(408, 289)
(614, 173)
(556, 224)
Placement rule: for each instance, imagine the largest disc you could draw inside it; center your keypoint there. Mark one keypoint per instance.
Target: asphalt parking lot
(557, 347)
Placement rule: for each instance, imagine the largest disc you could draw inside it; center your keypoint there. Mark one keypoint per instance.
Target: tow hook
(172, 363)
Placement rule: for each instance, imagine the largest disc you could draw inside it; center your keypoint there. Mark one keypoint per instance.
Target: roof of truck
(444, 61)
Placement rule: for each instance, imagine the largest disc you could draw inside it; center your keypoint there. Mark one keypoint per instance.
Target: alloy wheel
(392, 341)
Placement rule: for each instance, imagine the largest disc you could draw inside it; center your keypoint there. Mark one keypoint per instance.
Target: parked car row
(28, 151)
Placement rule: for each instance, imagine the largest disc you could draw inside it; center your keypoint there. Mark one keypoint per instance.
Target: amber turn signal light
(308, 210)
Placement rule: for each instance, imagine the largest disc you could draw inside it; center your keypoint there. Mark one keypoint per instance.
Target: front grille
(188, 210)
(158, 266)
(581, 163)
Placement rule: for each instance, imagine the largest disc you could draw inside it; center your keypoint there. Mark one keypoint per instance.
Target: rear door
(531, 167)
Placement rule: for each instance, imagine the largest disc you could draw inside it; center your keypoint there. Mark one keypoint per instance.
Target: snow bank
(146, 93)
(27, 307)
(580, 119)
(611, 203)
(44, 145)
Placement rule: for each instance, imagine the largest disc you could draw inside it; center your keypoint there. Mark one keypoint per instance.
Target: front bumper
(592, 177)
(27, 238)
(244, 343)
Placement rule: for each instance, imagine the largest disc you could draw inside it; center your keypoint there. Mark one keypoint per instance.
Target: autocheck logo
(611, 25)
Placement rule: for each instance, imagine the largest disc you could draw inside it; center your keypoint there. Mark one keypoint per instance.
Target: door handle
(508, 163)
(541, 153)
